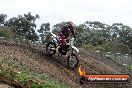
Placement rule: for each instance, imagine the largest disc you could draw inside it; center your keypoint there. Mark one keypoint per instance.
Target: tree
(2, 19)
(124, 33)
(116, 47)
(98, 33)
(24, 26)
(44, 30)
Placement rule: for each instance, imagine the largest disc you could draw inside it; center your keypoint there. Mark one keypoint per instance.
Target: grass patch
(129, 67)
(26, 77)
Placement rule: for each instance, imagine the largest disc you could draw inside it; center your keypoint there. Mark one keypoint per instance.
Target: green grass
(129, 67)
(27, 77)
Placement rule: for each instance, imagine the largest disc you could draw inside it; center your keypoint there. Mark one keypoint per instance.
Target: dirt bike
(53, 47)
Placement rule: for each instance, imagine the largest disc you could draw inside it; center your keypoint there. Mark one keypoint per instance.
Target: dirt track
(34, 57)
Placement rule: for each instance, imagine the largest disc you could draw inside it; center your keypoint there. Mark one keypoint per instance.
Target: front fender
(75, 48)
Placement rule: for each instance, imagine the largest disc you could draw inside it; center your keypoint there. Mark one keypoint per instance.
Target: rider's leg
(62, 44)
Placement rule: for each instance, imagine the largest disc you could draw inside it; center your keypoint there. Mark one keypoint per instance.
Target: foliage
(124, 33)
(6, 32)
(97, 34)
(117, 47)
(93, 33)
(24, 26)
(44, 30)
(2, 19)
(129, 67)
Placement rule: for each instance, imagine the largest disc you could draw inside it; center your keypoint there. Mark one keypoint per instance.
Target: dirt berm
(34, 57)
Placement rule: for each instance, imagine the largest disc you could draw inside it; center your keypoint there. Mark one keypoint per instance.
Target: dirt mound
(35, 58)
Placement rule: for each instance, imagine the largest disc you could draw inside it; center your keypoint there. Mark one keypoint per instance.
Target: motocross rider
(64, 36)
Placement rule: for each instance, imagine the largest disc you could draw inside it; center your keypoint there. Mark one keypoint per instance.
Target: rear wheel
(72, 61)
(51, 48)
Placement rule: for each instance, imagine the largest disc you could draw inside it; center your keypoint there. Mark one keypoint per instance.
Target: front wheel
(51, 48)
(72, 61)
